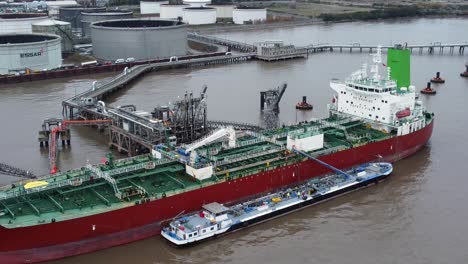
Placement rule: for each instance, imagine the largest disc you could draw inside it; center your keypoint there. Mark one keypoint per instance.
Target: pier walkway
(431, 48)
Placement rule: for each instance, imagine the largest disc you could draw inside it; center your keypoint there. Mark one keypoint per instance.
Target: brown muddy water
(417, 216)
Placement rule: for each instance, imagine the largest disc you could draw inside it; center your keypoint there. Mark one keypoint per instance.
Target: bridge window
(371, 90)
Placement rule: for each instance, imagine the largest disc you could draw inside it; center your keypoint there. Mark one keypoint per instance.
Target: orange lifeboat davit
(403, 113)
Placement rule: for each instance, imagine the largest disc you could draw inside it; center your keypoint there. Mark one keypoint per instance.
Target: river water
(417, 216)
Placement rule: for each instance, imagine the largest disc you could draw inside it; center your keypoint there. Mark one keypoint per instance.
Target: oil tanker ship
(100, 206)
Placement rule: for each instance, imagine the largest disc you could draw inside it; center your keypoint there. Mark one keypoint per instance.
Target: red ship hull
(91, 233)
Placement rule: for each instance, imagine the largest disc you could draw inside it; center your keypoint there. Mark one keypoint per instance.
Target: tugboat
(465, 73)
(216, 219)
(428, 90)
(437, 79)
(304, 105)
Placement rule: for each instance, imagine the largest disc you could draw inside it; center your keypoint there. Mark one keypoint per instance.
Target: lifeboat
(403, 113)
(437, 79)
(304, 105)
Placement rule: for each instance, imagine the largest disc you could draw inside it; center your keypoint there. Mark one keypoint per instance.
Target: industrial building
(172, 11)
(196, 3)
(149, 7)
(24, 52)
(223, 11)
(249, 15)
(73, 15)
(88, 18)
(20, 22)
(141, 39)
(199, 15)
(60, 28)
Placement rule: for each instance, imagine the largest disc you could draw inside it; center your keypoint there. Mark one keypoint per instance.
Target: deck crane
(347, 176)
(213, 136)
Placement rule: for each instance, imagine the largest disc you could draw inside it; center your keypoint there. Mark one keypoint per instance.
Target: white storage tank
(140, 39)
(169, 11)
(36, 52)
(223, 11)
(20, 22)
(197, 3)
(249, 15)
(151, 7)
(199, 15)
(60, 28)
(88, 18)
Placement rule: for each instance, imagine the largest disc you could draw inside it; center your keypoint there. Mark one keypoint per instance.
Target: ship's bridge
(371, 85)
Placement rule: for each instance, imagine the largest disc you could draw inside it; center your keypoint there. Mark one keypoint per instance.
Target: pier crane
(215, 135)
(57, 128)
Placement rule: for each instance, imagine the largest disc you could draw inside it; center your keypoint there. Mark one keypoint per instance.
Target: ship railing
(264, 138)
(249, 156)
(107, 177)
(327, 151)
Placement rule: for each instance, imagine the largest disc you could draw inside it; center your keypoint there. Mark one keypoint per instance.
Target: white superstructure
(378, 100)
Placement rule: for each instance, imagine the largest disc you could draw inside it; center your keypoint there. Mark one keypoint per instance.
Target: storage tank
(88, 18)
(196, 3)
(141, 39)
(199, 15)
(151, 7)
(36, 52)
(54, 6)
(60, 28)
(223, 11)
(172, 11)
(73, 14)
(248, 15)
(20, 22)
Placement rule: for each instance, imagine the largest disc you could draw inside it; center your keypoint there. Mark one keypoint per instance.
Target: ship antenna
(377, 59)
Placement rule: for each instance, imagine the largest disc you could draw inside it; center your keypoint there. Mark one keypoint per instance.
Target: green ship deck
(95, 189)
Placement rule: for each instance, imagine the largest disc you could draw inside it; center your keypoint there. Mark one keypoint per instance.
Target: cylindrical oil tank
(88, 18)
(60, 28)
(196, 3)
(140, 39)
(223, 11)
(172, 11)
(20, 22)
(151, 6)
(248, 15)
(73, 14)
(36, 52)
(199, 15)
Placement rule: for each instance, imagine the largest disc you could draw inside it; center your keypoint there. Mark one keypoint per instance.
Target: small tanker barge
(216, 219)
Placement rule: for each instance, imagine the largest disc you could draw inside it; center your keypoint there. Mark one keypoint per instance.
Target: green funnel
(398, 59)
